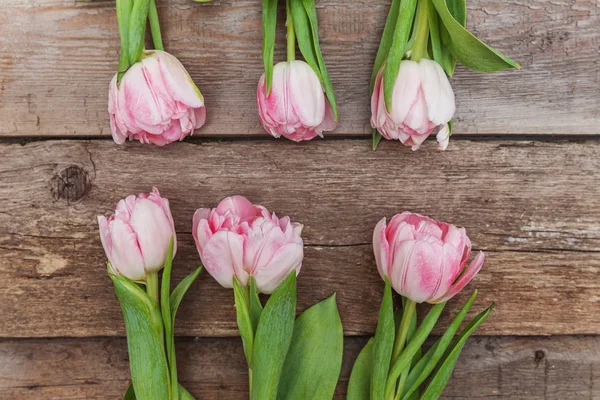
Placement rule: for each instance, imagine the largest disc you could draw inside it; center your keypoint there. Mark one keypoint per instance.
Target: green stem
(155, 26)
(152, 286)
(291, 34)
(250, 381)
(400, 342)
(422, 37)
(123, 15)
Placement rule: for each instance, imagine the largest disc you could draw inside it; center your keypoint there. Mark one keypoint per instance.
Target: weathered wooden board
(531, 206)
(57, 58)
(505, 368)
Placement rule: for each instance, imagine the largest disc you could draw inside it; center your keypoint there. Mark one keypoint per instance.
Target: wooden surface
(57, 58)
(531, 205)
(489, 368)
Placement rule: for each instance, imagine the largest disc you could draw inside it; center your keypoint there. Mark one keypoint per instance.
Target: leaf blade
(386, 41)
(359, 385)
(269, 24)
(383, 344)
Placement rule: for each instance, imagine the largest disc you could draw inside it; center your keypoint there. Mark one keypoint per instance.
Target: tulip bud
(241, 239)
(296, 107)
(156, 101)
(424, 260)
(137, 236)
(422, 101)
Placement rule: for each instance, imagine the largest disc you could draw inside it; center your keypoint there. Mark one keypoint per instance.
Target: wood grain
(57, 58)
(531, 206)
(505, 368)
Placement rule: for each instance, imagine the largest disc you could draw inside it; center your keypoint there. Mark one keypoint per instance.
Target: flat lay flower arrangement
(251, 251)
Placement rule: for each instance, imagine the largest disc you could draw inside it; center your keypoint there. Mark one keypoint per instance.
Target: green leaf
(467, 49)
(427, 364)
(183, 394)
(180, 291)
(242, 311)
(359, 385)
(314, 359)
(406, 14)
(269, 23)
(383, 344)
(440, 379)
(386, 42)
(458, 9)
(137, 29)
(165, 308)
(311, 12)
(123, 15)
(414, 345)
(304, 36)
(255, 305)
(143, 324)
(376, 139)
(272, 339)
(130, 393)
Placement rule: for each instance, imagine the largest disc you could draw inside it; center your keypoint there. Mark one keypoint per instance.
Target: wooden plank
(56, 60)
(531, 206)
(491, 367)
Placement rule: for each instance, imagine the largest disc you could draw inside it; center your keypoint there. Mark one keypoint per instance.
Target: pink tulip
(241, 239)
(155, 102)
(422, 101)
(296, 108)
(136, 237)
(424, 260)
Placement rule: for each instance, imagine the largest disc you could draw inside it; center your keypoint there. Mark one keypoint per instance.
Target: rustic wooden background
(522, 175)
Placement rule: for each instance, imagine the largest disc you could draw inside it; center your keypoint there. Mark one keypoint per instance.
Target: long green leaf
(183, 394)
(458, 9)
(165, 308)
(137, 29)
(386, 41)
(440, 379)
(311, 12)
(359, 385)
(144, 327)
(123, 15)
(467, 49)
(304, 36)
(255, 305)
(269, 23)
(414, 345)
(406, 14)
(422, 370)
(242, 311)
(314, 360)
(272, 339)
(383, 344)
(181, 289)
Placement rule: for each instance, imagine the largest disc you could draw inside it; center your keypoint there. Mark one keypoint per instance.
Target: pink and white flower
(240, 239)
(425, 260)
(296, 107)
(156, 101)
(137, 236)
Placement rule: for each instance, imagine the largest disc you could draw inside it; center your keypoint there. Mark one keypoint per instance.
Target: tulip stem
(123, 15)
(155, 26)
(291, 34)
(152, 286)
(407, 314)
(419, 50)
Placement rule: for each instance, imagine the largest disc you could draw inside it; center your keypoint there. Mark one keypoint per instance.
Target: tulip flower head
(422, 102)
(296, 107)
(241, 239)
(425, 260)
(156, 101)
(137, 236)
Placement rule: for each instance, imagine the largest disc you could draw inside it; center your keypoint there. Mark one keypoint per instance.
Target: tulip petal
(306, 99)
(271, 275)
(423, 265)
(177, 81)
(438, 92)
(154, 232)
(200, 228)
(126, 256)
(406, 89)
(222, 258)
(467, 275)
(381, 248)
(239, 206)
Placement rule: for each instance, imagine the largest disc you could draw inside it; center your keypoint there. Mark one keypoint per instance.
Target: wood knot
(539, 356)
(71, 184)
